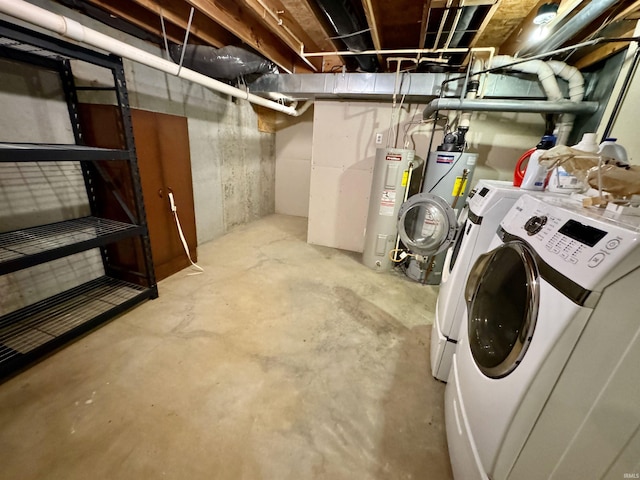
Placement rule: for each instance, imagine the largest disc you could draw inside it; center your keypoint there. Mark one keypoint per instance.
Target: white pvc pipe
(576, 93)
(547, 72)
(70, 28)
(544, 72)
(572, 75)
(402, 51)
(465, 117)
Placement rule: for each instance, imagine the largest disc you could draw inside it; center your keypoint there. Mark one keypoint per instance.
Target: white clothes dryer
(556, 274)
(488, 203)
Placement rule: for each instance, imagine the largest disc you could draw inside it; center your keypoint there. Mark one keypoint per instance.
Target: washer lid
(427, 224)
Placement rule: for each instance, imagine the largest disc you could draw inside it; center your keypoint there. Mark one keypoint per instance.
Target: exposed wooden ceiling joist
(246, 27)
(602, 52)
(178, 14)
(284, 31)
(522, 35)
(504, 21)
(139, 17)
(288, 31)
(374, 27)
(623, 25)
(314, 31)
(485, 24)
(426, 8)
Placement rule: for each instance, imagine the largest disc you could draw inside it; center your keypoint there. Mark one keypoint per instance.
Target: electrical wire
(174, 210)
(396, 89)
(424, 167)
(405, 140)
(395, 139)
(409, 137)
(394, 259)
(347, 35)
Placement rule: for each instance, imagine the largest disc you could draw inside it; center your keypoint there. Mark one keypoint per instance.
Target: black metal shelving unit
(33, 331)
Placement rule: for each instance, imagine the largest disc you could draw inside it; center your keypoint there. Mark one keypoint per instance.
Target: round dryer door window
(502, 295)
(426, 224)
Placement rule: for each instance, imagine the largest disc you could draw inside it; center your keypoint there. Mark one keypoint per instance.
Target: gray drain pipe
(528, 106)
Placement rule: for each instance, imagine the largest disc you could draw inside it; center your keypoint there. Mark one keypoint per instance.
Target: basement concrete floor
(282, 361)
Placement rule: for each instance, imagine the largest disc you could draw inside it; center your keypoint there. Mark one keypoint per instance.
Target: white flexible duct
(576, 93)
(70, 28)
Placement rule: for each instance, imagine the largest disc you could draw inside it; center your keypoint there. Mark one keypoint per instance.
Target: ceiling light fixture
(546, 13)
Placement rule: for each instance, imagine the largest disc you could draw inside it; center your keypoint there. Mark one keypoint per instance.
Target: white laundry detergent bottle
(536, 175)
(562, 181)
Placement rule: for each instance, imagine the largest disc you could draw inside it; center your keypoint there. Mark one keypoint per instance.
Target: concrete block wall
(232, 163)
(39, 193)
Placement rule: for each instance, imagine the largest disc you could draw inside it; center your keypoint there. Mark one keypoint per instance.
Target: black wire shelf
(25, 248)
(53, 152)
(32, 331)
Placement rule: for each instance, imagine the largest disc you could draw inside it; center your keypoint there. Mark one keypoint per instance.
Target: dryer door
(502, 295)
(426, 224)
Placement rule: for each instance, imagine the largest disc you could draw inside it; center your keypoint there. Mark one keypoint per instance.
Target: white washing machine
(552, 330)
(488, 203)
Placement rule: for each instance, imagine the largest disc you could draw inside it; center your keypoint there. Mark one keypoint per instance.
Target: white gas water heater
(448, 175)
(416, 231)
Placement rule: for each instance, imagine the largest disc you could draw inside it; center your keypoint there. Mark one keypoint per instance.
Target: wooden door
(162, 147)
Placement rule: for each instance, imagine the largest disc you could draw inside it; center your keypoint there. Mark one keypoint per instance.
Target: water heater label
(458, 187)
(405, 178)
(441, 158)
(393, 158)
(388, 203)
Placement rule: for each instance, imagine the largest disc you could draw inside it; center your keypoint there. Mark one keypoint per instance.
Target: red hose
(518, 173)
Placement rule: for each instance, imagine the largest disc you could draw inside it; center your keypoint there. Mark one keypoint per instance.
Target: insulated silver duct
(564, 33)
(528, 106)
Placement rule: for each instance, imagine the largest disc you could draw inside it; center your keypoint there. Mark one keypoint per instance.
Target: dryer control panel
(487, 193)
(582, 245)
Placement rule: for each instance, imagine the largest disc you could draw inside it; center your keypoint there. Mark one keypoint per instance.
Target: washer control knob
(535, 224)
